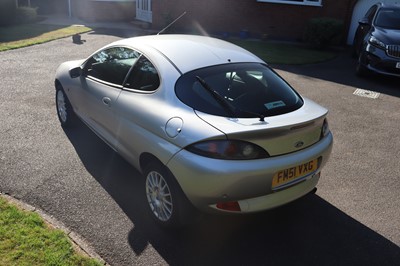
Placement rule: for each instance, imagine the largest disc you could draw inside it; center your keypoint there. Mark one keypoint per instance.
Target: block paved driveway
(354, 218)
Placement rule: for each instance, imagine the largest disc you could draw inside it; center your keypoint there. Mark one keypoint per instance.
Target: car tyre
(65, 113)
(167, 203)
(354, 53)
(361, 69)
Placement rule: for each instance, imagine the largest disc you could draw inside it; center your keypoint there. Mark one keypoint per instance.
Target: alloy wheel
(61, 106)
(159, 196)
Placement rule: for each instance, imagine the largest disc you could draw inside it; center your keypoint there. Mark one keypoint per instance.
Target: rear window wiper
(224, 103)
(262, 118)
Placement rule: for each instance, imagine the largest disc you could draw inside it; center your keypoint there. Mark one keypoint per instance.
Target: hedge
(322, 32)
(26, 15)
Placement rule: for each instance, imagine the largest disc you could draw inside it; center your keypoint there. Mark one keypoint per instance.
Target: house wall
(100, 10)
(277, 21)
(46, 7)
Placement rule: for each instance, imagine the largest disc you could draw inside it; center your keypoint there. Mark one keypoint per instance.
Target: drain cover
(366, 93)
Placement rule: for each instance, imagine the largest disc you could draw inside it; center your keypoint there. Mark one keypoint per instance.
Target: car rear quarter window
(111, 65)
(143, 76)
(249, 90)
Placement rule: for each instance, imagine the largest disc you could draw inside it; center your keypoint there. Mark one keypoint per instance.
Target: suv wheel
(361, 69)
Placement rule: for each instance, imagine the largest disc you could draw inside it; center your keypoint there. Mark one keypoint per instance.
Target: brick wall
(277, 21)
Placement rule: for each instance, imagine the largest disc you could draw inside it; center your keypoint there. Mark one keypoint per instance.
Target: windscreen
(388, 19)
(237, 90)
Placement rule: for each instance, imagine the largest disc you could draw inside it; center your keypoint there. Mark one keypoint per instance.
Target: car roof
(189, 52)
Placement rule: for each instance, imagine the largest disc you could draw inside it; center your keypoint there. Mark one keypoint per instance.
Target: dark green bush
(7, 12)
(46, 7)
(322, 32)
(26, 15)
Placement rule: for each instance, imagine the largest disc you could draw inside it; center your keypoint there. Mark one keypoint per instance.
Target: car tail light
(228, 150)
(229, 206)
(325, 128)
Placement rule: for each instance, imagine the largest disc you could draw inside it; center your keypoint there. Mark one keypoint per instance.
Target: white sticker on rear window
(274, 105)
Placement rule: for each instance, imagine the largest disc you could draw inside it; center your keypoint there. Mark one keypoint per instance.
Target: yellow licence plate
(294, 174)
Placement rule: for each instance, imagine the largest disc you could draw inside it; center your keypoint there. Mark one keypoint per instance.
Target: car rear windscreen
(237, 90)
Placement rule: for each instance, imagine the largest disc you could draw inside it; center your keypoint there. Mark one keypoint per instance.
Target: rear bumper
(207, 182)
(278, 198)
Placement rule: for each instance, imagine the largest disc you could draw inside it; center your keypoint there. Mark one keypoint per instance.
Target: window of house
(295, 2)
(111, 65)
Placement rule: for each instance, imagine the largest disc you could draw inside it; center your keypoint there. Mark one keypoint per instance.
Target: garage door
(360, 8)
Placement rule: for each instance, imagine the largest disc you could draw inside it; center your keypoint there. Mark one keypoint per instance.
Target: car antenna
(170, 24)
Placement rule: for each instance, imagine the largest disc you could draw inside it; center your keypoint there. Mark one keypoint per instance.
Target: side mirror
(75, 72)
(364, 22)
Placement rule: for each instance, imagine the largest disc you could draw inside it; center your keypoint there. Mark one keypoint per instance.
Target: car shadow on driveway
(341, 70)
(309, 231)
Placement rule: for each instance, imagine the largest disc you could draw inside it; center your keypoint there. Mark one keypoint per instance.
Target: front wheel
(167, 203)
(65, 112)
(361, 69)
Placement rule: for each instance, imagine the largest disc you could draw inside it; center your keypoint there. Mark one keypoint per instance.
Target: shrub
(26, 15)
(46, 7)
(322, 32)
(7, 12)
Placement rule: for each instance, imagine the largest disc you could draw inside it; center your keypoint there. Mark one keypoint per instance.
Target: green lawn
(13, 37)
(26, 240)
(285, 53)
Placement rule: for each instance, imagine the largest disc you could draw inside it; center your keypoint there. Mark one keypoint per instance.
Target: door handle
(106, 101)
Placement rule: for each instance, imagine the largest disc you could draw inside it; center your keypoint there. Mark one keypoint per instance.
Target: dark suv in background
(377, 41)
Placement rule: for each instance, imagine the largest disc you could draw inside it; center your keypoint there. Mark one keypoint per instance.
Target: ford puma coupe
(209, 125)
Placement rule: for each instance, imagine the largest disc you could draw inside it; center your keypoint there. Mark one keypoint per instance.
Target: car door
(138, 110)
(103, 76)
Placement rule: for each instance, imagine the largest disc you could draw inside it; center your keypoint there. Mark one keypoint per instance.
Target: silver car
(210, 125)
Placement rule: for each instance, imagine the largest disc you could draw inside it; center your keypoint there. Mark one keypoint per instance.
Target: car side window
(143, 76)
(111, 65)
(371, 13)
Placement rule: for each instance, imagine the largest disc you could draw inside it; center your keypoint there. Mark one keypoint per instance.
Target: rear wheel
(167, 203)
(65, 112)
